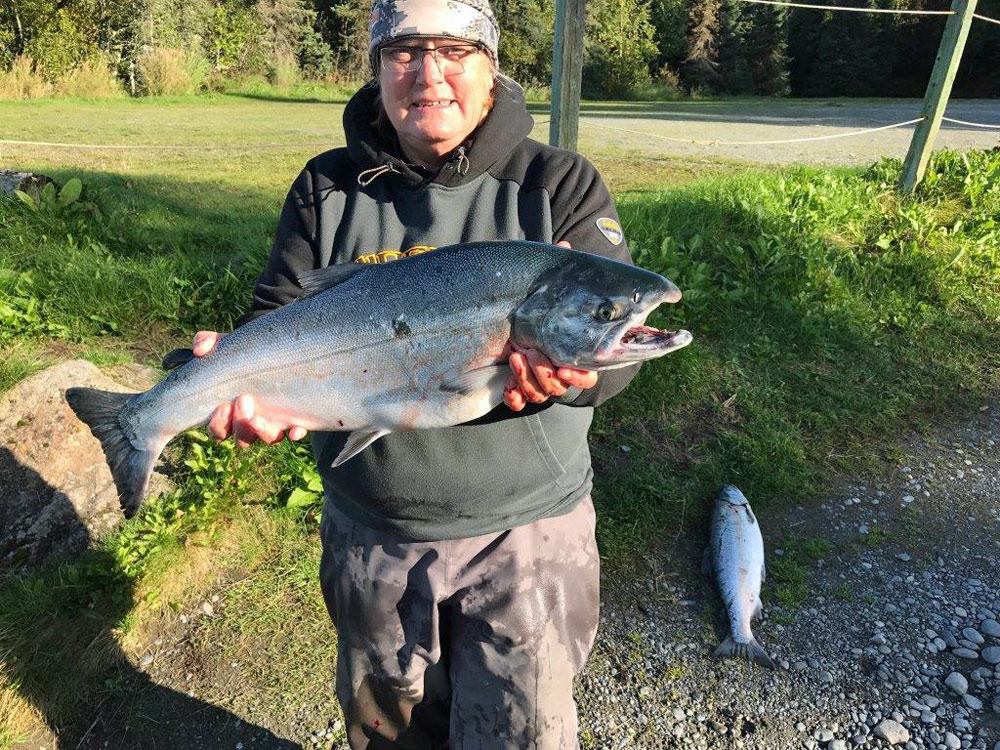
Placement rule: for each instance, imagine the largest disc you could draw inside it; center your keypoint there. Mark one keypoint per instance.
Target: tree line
(635, 48)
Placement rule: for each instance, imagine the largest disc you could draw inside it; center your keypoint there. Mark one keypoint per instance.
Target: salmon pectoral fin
(489, 378)
(357, 441)
(751, 651)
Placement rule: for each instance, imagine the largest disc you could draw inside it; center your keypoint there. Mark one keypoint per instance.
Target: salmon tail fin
(751, 651)
(130, 467)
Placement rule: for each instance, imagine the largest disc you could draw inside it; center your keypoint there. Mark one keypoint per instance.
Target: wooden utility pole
(567, 70)
(949, 56)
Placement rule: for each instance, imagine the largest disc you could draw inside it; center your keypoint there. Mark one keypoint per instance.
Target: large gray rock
(56, 492)
(25, 181)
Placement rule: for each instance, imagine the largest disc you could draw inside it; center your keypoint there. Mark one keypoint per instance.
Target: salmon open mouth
(646, 339)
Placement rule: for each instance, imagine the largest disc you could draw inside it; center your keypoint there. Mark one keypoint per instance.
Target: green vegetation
(876, 536)
(788, 575)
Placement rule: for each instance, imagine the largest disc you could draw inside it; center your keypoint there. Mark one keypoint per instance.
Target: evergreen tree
(670, 20)
(846, 60)
(700, 68)
(343, 25)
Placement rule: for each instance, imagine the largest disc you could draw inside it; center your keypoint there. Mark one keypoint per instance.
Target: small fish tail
(751, 651)
(130, 467)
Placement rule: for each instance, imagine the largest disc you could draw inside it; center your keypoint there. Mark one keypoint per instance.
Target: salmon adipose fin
(751, 651)
(130, 468)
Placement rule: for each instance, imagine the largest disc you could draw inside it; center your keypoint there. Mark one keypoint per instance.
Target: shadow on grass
(288, 99)
(58, 646)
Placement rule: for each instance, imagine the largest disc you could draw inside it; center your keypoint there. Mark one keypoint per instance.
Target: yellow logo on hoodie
(386, 256)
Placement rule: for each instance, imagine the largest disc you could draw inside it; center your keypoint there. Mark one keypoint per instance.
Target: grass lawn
(828, 314)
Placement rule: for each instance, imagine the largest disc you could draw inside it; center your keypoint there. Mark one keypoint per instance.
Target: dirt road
(697, 126)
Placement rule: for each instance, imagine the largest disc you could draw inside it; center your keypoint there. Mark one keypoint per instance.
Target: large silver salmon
(371, 349)
(735, 557)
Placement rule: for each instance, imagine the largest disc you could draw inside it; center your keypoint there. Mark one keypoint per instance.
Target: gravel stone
(972, 702)
(973, 635)
(892, 732)
(992, 655)
(957, 682)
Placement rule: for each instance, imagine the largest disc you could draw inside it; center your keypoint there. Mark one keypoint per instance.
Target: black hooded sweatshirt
(365, 202)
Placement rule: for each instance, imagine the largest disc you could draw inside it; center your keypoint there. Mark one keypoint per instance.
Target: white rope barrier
(695, 142)
(896, 11)
(971, 124)
(174, 147)
(986, 18)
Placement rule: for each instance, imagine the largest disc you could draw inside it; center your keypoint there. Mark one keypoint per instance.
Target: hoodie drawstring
(368, 176)
(460, 160)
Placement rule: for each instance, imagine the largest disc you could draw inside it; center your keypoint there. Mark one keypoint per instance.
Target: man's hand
(238, 418)
(535, 379)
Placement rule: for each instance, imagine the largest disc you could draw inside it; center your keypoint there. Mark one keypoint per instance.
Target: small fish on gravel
(735, 559)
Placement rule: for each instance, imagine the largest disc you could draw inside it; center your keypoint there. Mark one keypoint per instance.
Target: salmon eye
(606, 312)
(636, 296)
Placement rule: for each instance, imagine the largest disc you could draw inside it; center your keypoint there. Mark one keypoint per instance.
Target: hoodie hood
(507, 124)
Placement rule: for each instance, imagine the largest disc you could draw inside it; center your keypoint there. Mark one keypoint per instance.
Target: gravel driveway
(702, 123)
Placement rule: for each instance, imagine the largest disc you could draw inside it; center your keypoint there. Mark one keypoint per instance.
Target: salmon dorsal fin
(314, 282)
(177, 357)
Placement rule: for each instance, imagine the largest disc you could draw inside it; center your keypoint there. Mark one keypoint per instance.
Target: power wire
(895, 11)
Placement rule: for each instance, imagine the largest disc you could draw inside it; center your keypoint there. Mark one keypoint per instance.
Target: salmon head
(590, 313)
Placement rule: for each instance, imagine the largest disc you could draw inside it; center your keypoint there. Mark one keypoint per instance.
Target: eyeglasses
(450, 59)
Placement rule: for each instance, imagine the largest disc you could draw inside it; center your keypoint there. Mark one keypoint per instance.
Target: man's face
(444, 97)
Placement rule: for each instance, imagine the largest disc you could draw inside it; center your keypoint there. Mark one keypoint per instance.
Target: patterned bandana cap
(472, 20)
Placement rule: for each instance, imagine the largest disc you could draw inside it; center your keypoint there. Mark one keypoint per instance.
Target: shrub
(168, 72)
(24, 80)
(94, 79)
(283, 72)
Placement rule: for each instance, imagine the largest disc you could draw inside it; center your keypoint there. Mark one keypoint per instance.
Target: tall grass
(828, 315)
(170, 72)
(92, 79)
(23, 81)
